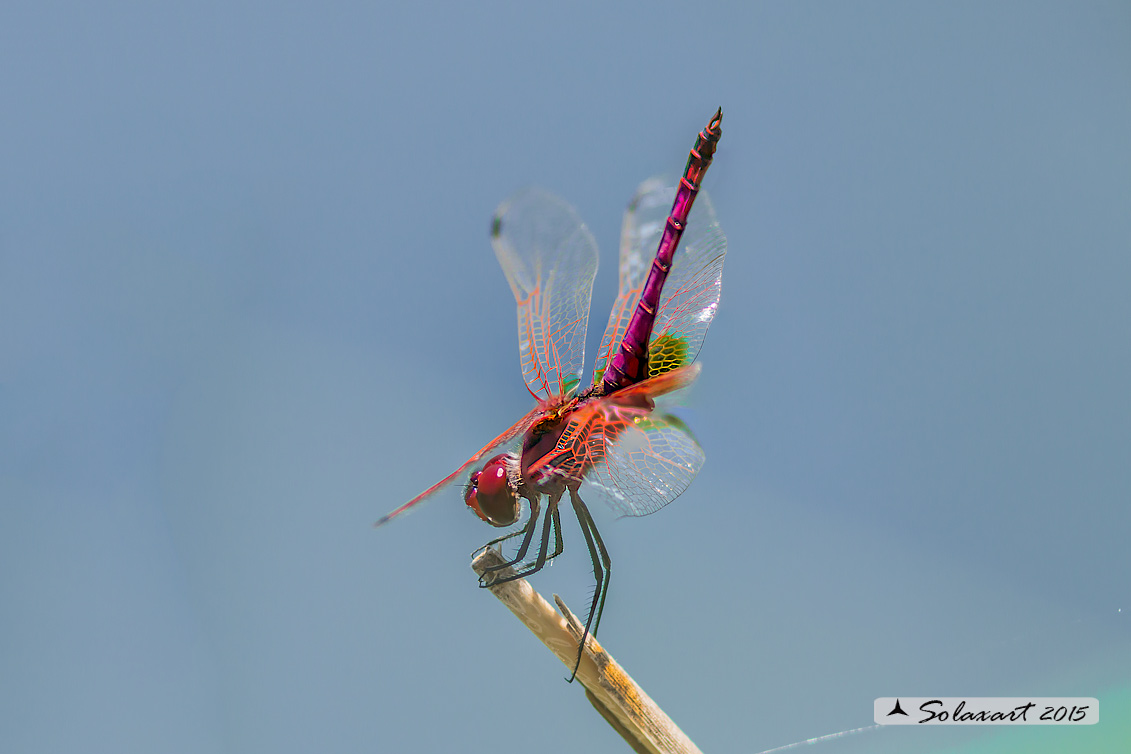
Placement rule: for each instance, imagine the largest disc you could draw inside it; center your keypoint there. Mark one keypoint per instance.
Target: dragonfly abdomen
(630, 364)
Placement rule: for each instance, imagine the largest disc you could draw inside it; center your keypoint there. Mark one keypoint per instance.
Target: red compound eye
(490, 495)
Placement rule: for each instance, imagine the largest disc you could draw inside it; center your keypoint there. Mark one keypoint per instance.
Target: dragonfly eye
(490, 494)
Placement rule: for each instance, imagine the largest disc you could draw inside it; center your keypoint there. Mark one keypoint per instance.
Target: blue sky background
(248, 305)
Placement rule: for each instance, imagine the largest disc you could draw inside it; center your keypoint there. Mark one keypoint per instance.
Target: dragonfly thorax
(540, 440)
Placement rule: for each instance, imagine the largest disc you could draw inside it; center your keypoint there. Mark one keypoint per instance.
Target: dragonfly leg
(551, 521)
(558, 544)
(602, 570)
(498, 540)
(527, 530)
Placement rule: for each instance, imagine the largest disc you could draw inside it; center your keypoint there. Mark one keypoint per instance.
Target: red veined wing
(509, 437)
(691, 293)
(638, 458)
(550, 260)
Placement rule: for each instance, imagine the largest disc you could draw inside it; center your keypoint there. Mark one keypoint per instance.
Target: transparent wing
(550, 260)
(638, 458)
(509, 437)
(640, 237)
(648, 464)
(691, 293)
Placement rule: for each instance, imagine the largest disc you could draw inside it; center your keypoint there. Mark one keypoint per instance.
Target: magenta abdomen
(630, 363)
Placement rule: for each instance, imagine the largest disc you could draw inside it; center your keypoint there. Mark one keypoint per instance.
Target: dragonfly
(609, 436)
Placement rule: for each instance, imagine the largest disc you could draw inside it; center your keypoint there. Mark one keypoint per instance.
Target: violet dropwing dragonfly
(609, 436)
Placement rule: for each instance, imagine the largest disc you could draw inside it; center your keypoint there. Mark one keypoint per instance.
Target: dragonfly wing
(691, 293)
(550, 259)
(638, 458)
(648, 463)
(639, 238)
(510, 437)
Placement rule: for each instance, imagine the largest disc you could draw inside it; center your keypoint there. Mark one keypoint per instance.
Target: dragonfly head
(492, 494)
